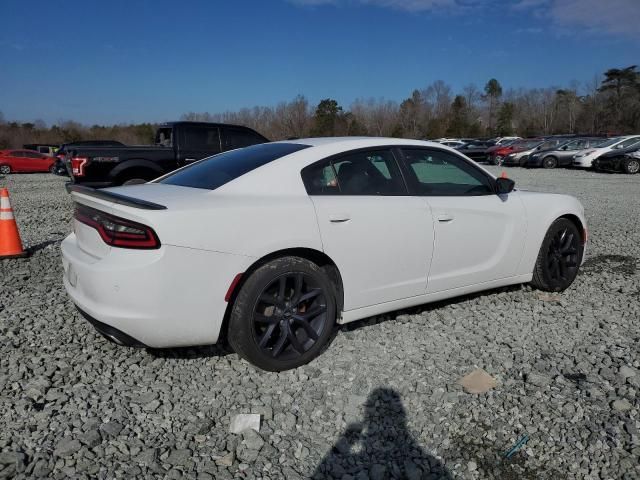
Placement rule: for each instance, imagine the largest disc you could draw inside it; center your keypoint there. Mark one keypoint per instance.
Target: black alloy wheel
(283, 315)
(289, 316)
(559, 258)
(549, 162)
(631, 166)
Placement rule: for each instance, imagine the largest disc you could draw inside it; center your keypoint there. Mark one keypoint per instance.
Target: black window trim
(403, 167)
(332, 158)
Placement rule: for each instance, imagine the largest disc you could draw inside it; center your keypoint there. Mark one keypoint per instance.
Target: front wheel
(549, 162)
(631, 166)
(559, 258)
(283, 315)
(5, 169)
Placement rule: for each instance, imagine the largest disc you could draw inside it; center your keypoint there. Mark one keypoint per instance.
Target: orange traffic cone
(10, 243)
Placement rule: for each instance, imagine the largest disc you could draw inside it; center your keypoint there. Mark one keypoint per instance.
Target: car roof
(361, 142)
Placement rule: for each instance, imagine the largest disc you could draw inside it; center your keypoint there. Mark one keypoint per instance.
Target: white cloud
(617, 17)
(620, 17)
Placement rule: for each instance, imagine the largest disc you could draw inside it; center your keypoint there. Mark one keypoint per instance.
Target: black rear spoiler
(114, 197)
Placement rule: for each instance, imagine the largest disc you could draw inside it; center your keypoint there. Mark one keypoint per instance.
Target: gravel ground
(381, 402)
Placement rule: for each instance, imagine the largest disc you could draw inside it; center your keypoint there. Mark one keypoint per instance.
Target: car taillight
(116, 231)
(77, 166)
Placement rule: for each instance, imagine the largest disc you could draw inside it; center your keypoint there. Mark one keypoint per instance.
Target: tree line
(607, 104)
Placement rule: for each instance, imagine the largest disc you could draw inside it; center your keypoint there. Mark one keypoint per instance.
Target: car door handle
(445, 218)
(339, 218)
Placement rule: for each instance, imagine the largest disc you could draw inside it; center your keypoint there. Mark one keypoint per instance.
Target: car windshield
(527, 145)
(609, 142)
(213, 172)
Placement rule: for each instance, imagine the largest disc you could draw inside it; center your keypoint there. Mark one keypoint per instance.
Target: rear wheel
(549, 162)
(559, 257)
(283, 315)
(52, 169)
(631, 165)
(5, 169)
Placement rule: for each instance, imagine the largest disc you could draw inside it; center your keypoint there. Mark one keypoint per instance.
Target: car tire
(559, 258)
(52, 169)
(497, 160)
(270, 324)
(5, 169)
(549, 162)
(631, 166)
(523, 162)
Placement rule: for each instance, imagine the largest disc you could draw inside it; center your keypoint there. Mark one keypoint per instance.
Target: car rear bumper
(169, 297)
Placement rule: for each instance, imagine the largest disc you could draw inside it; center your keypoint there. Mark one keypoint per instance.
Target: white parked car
(271, 245)
(585, 158)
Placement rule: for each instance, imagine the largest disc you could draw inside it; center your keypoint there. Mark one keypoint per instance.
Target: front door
(380, 237)
(479, 236)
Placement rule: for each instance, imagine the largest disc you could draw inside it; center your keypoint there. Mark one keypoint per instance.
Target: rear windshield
(215, 171)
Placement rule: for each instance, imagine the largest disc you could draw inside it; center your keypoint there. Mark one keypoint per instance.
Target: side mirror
(504, 185)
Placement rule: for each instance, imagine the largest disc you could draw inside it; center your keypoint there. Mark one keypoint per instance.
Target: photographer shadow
(381, 447)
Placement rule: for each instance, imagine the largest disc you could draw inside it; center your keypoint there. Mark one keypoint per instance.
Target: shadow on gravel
(381, 446)
(41, 246)
(425, 307)
(205, 351)
(622, 264)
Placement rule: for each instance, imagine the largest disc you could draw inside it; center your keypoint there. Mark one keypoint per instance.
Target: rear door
(380, 237)
(36, 162)
(479, 236)
(197, 142)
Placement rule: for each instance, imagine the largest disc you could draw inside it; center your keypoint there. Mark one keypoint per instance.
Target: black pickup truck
(177, 144)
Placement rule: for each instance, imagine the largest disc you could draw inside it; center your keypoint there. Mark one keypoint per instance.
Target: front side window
(367, 172)
(438, 173)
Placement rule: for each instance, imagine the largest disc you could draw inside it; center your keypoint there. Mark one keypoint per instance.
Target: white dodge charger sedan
(269, 246)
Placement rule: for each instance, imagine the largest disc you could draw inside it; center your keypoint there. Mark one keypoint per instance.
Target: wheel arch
(577, 222)
(315, 256)
(135, 165)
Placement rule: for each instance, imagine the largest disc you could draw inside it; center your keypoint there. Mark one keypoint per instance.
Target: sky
(104, 62)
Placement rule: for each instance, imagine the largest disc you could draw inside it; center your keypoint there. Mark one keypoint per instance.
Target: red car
(14, 161)
(496, 154)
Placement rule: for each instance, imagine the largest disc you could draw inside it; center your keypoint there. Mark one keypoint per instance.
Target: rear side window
(215, 171)
(202, 138)
(365, 172)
